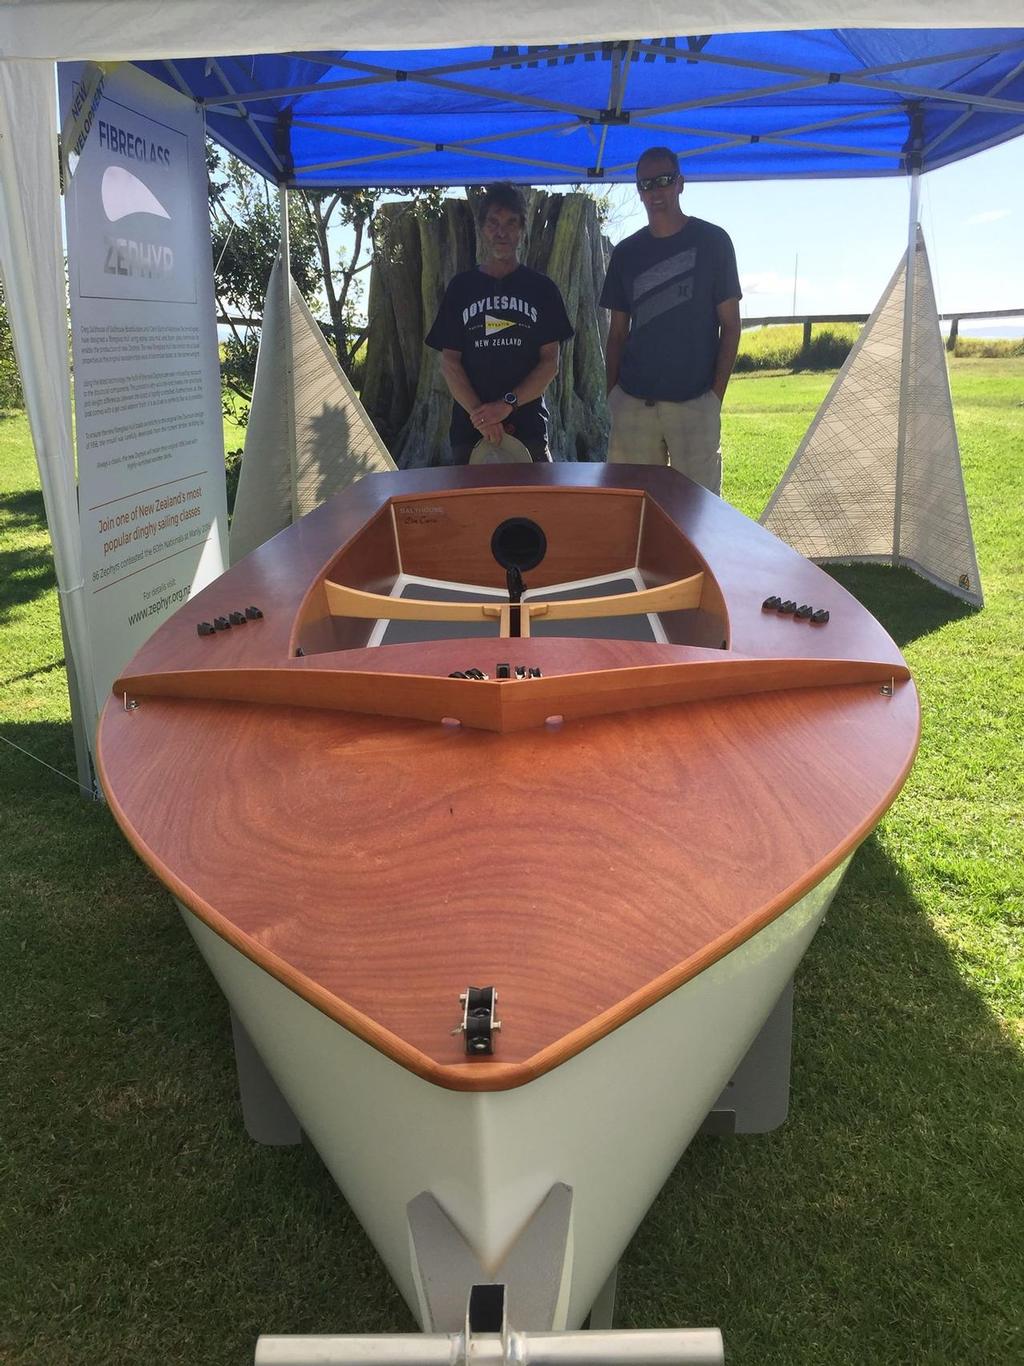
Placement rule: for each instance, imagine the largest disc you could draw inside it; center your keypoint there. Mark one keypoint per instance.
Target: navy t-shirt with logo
(498, 327)
(671, 288)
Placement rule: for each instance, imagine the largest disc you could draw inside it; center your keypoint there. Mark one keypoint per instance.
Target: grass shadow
(906, 605)
(116, 1042)
(874, 1225)
(26, 572)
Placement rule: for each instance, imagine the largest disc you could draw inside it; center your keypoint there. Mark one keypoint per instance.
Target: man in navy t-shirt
(674, 294)
(498, 330)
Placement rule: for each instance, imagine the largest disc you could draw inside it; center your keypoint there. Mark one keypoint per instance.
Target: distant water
(1011, 330)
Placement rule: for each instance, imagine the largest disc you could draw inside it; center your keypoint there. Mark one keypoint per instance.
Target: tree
(245, 233)
(245, 229)
(353, 209)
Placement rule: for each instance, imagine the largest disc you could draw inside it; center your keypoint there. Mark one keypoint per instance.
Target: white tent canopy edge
(145, 30)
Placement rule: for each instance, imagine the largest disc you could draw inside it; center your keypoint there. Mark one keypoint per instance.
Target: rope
(66, 776)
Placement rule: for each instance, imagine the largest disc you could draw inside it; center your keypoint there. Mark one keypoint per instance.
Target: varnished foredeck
(379, 865)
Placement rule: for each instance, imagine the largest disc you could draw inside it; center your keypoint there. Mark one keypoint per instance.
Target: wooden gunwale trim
(477, 1075)
(506, 705)
(484, 490)
(396, 539)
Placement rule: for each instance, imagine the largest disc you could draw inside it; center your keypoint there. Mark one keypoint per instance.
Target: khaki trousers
(687, 436)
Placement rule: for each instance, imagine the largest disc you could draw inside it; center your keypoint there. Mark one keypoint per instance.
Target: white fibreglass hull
(610, 1123)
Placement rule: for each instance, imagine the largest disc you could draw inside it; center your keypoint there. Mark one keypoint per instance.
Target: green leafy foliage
(10, 380)
(245, 235)
(245, 231)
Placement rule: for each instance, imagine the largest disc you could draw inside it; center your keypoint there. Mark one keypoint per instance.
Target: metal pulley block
(478, 1023)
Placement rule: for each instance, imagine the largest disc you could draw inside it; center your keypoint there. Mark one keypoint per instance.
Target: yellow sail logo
(492, 325)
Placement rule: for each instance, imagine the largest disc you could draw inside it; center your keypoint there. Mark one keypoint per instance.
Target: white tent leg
(32, 263)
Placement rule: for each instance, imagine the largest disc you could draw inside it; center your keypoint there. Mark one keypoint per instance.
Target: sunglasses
(661, 182)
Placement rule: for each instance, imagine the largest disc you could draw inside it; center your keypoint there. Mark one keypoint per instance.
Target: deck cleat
(771, 604)
(786, 608)
(804, 613)
(820, 616)
(206, 628)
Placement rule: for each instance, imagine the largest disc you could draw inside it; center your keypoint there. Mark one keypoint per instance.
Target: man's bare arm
(728, 344)
(458, 381)
(618, 331)
(526, 391)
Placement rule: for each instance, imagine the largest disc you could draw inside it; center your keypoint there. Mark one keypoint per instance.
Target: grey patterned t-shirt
(671, 288)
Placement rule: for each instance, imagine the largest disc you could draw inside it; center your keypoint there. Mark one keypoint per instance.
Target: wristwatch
(511, 399)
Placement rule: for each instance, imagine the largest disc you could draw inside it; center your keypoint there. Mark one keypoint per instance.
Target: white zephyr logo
(123, 194)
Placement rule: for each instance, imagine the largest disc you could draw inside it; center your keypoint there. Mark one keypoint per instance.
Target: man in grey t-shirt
(674, 294)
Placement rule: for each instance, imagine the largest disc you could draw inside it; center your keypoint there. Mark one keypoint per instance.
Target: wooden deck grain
(380, 864)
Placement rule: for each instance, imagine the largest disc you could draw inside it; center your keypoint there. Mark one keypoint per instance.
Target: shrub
(781, 347)
(232, 469)
(990, 348)
(10, 380)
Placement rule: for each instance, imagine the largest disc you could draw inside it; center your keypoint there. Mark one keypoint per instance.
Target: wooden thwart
(677, 596)
(507, 705)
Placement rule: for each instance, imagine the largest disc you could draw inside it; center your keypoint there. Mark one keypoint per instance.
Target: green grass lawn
(882, 1224)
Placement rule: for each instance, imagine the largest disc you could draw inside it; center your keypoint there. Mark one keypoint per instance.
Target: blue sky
(850, 234)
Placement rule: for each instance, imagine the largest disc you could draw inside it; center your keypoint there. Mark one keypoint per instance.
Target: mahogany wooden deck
(380, 863)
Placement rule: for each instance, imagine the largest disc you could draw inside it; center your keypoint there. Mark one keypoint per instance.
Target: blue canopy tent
(461, 99)
(830, 102)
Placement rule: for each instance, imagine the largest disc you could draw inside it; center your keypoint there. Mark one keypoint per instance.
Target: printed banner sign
(149, 431)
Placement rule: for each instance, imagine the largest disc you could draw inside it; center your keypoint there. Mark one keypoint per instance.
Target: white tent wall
(147, 30)
(32, 265)
(877, 477)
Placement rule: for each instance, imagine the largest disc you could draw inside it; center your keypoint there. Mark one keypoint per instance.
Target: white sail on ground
(308, 436)
(866, 487)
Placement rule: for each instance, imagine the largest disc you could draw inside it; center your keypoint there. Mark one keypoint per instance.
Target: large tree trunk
(403, 391)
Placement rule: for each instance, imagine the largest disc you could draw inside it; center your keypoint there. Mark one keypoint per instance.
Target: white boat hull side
(611, 1122)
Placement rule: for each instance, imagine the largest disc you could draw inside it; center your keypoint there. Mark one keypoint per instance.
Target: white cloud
(991, 216)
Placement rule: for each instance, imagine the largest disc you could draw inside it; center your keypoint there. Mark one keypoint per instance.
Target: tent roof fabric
(734, 106)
